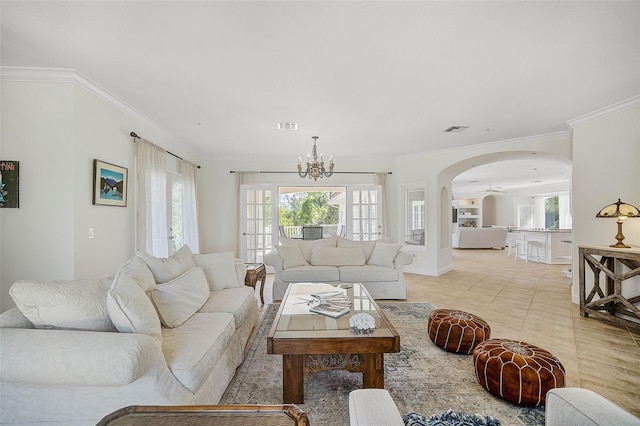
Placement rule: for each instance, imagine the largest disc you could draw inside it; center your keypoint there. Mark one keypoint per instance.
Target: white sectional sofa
(564, 407)
(160, 332)
(480, 238)
(378, 265)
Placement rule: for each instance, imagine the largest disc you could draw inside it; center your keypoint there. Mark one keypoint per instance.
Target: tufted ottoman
(457, 331)
(517, 371)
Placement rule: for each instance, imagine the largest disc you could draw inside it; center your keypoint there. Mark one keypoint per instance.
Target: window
(551, 213)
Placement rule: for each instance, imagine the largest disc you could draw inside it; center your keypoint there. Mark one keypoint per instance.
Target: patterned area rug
(422, 378)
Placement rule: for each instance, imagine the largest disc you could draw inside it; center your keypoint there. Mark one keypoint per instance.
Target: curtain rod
(289, 172)
(135, 137)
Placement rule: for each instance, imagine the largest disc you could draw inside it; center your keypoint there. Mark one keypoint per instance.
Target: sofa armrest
(274, 260)
(74, 358)
(583, 407)
(373, 407)
(403, 258)
(13, 318)
(241, 271)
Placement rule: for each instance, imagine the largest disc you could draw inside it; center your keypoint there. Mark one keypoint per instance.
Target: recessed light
(287, 125)
(537, 181)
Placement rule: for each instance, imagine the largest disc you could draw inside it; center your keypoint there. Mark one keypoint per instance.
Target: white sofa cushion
(177, 300)
(336, 256)
(164, 269)
(129, 307)
(193, 349)
(306, 246)
(384, 254)
(291, 256)
(367, 273)
(366, 246)
(311, 273)
(219, 269)
(239, 301)
(69, 305)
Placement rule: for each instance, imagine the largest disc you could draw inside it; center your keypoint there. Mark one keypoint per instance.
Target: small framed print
(9, 184)
(109, 184)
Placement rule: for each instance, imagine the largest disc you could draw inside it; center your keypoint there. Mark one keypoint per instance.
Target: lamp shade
(619, 209)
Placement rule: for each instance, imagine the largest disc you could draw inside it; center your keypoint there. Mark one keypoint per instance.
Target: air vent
(456, 129)
(287, 126)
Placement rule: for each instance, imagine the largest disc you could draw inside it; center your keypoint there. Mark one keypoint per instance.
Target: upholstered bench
(517, 371)
(457, 331)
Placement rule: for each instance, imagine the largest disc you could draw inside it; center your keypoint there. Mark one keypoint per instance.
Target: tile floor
(531, 302)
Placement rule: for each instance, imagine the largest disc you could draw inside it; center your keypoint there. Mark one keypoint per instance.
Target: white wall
(56, 129)
(606, 154)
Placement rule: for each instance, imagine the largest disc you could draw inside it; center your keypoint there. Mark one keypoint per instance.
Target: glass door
(258, 214)
(364, 214)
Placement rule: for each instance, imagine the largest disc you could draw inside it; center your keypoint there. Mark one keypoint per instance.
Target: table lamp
(621, 211)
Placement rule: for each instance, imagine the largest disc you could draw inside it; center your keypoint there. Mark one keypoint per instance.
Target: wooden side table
(256, 272)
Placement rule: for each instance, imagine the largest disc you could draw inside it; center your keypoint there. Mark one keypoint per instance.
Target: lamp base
(619, 245)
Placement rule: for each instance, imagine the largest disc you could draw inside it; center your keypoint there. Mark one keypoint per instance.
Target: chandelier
(315, 168)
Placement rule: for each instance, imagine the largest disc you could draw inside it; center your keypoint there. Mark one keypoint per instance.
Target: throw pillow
(450, 418)
(337, 256)
(306, 246)
(384, 254)
(219, 269)
(167, 268)
(366, 246)
(291, 256)
(67, 305)
(129, 307)
(177, 300)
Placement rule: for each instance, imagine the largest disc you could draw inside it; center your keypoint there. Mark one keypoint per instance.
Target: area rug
(421, 378)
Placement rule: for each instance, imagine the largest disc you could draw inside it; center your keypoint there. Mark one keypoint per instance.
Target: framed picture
(109, 184)
(9, 184)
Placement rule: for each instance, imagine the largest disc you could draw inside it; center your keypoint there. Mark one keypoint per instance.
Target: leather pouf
(457, 331)
(517, 371)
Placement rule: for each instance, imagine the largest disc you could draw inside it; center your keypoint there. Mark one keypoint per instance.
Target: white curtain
(189, 207)
(151, 199)
(381, 179)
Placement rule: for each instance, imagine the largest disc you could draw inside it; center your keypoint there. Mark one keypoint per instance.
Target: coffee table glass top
(295, 320)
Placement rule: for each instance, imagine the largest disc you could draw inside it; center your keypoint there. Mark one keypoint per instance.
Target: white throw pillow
(384, 254)
(68, 305)
(291, 256)
(164, 269)
(129, 307)
(337, 256)
(219, 269)
(306, 246)
(177, 300)
(366, 246)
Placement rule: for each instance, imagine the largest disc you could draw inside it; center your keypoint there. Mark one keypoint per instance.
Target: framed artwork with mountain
(109, 184)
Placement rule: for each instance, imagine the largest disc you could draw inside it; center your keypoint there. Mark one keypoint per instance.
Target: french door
(364, 212)
(259, 213)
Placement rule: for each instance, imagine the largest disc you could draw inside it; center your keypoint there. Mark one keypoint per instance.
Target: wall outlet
(92, 233)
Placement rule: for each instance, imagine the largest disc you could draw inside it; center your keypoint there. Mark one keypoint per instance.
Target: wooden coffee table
(311, 342)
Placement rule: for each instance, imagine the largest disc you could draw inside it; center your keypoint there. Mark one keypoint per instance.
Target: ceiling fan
(490, 189)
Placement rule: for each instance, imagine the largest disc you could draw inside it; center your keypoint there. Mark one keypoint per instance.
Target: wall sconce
(621, 211)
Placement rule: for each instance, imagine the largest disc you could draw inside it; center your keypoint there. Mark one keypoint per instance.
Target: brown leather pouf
(517, 371)
(457, 331)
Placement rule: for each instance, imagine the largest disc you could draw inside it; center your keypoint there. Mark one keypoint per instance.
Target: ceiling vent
(456, 129)
(287, 126)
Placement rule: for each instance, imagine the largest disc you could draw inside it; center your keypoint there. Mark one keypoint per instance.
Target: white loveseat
(480, 238)
(376, 264)
(166, 331)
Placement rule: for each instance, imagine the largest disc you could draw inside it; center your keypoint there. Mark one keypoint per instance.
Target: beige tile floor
(530, 301)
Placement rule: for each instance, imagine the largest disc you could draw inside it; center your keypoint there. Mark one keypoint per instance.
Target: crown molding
(630, 103)
(72, 76)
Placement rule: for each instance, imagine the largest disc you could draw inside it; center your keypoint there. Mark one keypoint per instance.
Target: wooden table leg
(373, 371)
(262, 288)
(292, 379)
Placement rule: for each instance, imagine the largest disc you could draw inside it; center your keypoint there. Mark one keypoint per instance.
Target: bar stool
(524, 249)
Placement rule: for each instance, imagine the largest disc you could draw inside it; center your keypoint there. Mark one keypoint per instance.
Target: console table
(610, 305)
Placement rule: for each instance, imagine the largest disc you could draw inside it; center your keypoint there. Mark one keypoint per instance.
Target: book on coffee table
(332, 304)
